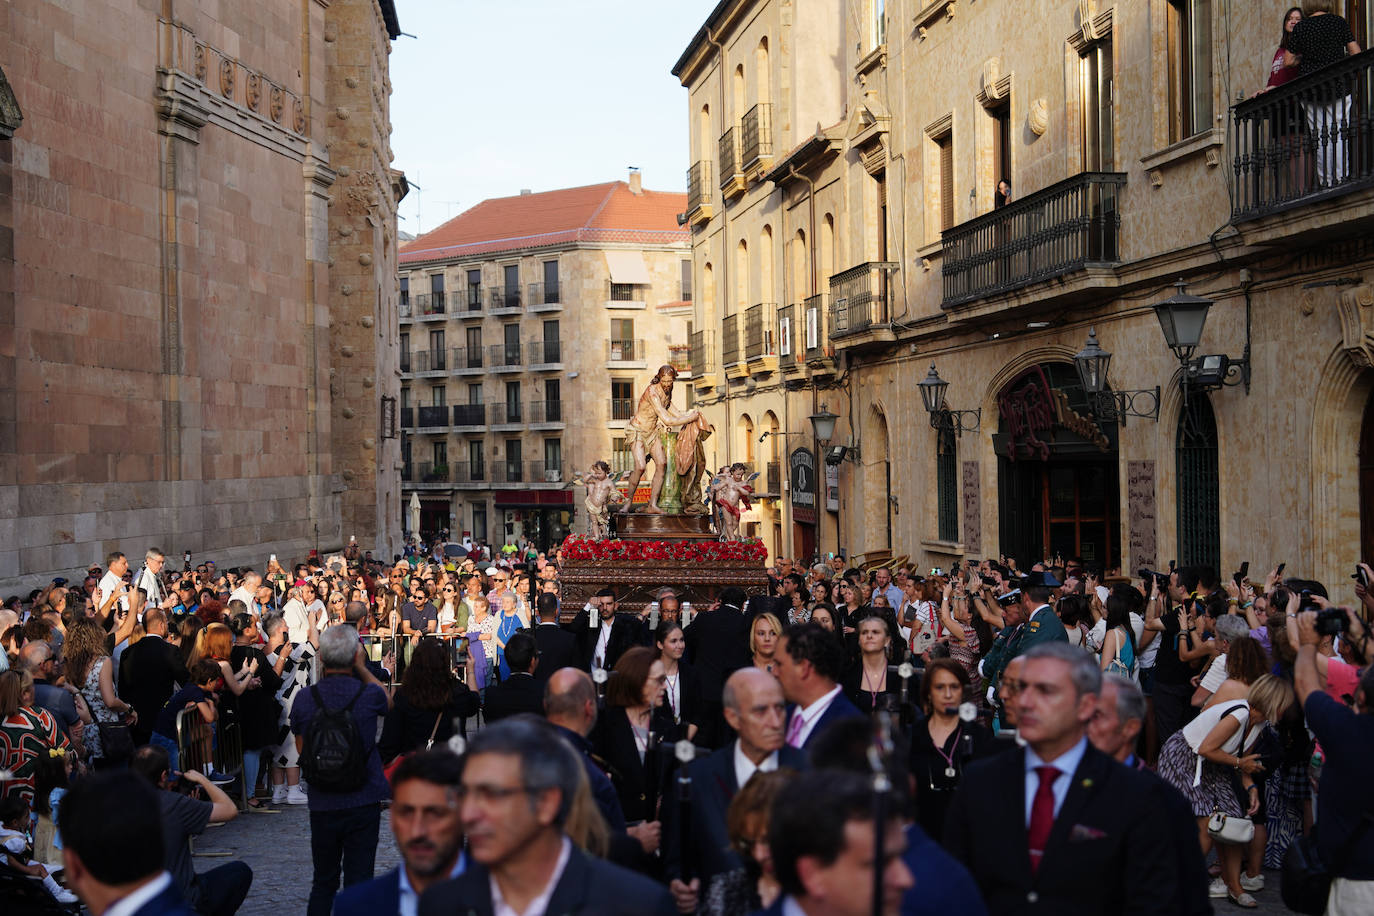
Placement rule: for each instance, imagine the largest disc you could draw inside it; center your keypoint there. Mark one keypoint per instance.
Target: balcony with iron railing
(504, 357)
(699, 192)
(787, 337)
(757, 143)
(505, 413)
(627, 295)
(470, 415)
(1067, 227)
(620, 410)
(432, 416)
(1309, 140)
(428, 305)
(731, 353)
(466, 472)
(428, 362)
(814, 340)
(407, 418)
(731, 171)
(427, 472)
(760, 334)
(472, 303)
(680, 358)
(544, 413)
(703, 355)
(403, 305)
(860, 299)
(543, 297)
(544, 355)
(405, 361)
(625, 351)
(467, 361)
(503, 300)
(528, 472)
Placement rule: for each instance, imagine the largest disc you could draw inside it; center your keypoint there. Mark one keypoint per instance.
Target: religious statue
(601, 492)
(727, 491)
(672, 438)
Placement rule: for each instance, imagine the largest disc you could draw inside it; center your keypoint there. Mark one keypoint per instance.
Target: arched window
(799, 279)
(947, 485)
(826, 256)
(766, 265)
(738, 94)
(761, 73)
(741, 276)
(705, 141)
(1199, 500)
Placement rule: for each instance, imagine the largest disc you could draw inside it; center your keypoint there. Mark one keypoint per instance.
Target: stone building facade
(1132, 165)
(167, 355)
(528, 327)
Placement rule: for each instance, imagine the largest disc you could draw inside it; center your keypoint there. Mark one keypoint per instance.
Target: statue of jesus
(672, 438)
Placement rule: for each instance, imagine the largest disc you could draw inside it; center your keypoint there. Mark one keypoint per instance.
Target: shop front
(544, 517)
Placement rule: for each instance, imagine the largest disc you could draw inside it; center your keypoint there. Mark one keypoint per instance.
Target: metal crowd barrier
(400, 646)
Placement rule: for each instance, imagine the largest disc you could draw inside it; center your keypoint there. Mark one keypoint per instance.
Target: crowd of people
(998, 740)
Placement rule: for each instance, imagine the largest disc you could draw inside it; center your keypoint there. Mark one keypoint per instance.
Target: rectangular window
(437, 396)
(946, 488)
(1190, 68)
(405, 349)
(436, 341)
(1001, 142)
(945, 143)
(686, 291)
(552, 390)
(622, 398)
(512, 402)
(474, 341)
(513, 456)
(479, 522)
(878, 27)
(405, 398)
(405, 292)
(475, 393)
(553, 456)
(440, 453)
(436, 283)
(512, 281)
(622, 292)
(474, 290)
(1095, 69)
(621, 459)
(551, 281)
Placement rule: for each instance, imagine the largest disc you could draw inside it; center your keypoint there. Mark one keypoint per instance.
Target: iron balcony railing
(503, 298)
(1066, 227)
(467, 358)
(407, 418)
(433, 415)
(618, 350)
(813, 337)
(429, 361)
(727, 152)
(506, 412)
(1312, 137)
(757, 128)
(500, 356)
(429, 472)
(469, 472)
(624, 292)
(469, 415)
(429, 304)
(621, 408)
(544, 352)
(680, 358)
(474, 299)
(403, 306)
(544, 472)
(787, 335)
(703, 357)
(729, 340)
(405, 360)
(544, 410)
(861, 297)
(542, 294)
(699, 185)
(773, 477)
(760, 337)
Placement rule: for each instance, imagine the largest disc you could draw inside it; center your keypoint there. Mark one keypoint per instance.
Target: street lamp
(823, 424)
(1092, 362)
(1182, 318)
(933, 390)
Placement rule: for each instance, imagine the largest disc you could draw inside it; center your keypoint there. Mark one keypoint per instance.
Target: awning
(627, 267)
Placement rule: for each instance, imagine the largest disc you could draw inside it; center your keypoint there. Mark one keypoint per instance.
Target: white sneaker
(65, 896)
(279, 794)
(1248, 883)
(1217, 888)
(294, 796)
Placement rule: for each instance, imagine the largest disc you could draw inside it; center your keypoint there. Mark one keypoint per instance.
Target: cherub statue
(728, 490)
(602, 491)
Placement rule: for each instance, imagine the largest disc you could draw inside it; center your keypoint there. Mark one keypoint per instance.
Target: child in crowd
(14, 840)
(50, 780)
(202, 692)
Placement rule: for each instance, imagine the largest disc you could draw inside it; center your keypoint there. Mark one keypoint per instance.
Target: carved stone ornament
(1087, 12)
(1357, 324)
(226, 77)
(298, 116)
(252, 91)
(992, 73)
(277, 103)
(200, 66)
(1038, 118)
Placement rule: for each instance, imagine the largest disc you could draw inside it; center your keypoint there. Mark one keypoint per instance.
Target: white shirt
(744, 767)
(1066, 763)
(1216, 674)
(602, 638)
(810, 715)
(127, 906)
(410, 901)
(244, 595)
(109, 584)
(297, 623)
(539, 905)
(1099, 633)
(150, 584)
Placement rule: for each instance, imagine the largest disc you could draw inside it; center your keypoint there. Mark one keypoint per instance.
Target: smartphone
(1242, 573)
(1360, 576)
(1279, 570)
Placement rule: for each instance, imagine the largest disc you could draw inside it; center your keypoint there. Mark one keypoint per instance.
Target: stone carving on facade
(1038, 118)
(226, 77)
(201, 67)
(252, 91)
(1356, 306)
(277, 103)
(10, 114)
(360, 196)
(298, 115)
(992, 75)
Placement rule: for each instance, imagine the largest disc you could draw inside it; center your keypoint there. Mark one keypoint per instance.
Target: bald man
(570, 707)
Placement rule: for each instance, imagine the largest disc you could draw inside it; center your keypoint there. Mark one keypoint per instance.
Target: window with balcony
(405, 352)
(436, 294)
(440, 453)
(477, 466)
(1190, 68)
(474, 291)
(1000, 116)
(945, 188)
(474, 340)
(1097, 83)
(622, 398)
(511, 293)
(513, 456)
(551, 290)
(479, 522)
(405, 294)
(512, 402)
(623, 292)
(438, 396)
(621, 458)
(622, 338)
(511, 333)
(685, 288)
(436, 342)
(553, 459)
(553, 401)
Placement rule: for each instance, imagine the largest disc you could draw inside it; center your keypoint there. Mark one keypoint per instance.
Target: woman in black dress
(943, 744)
(866, 682)
(681, 685)
(256, 709)
(430, 704)
(630, 735)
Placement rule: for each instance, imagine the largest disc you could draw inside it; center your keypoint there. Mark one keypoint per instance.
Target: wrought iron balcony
(703, 354)
(699, 191)
(861, 297)
(757, 143)
(503, 356)
(618, 350)
(429, 361)
(503, 299)
(544, 353)
(407, 418)
(787, 336)
(1310, 139)
(469, 415)
(466, 359)
(472, 307)
(429, 472)
(760, 336)
(730, 351)
(543, 472)
(680, 358)
(813, 334)
(731, 171)
(469, 472)
(405, 360)
(431, 416)
(626, 292)
(544, 410)
(1064, 228)
(505, 412)
(429, 304)
(403, 306)
(621, 409)
(542, 294)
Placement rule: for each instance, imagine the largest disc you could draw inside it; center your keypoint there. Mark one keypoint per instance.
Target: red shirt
(1278, 73)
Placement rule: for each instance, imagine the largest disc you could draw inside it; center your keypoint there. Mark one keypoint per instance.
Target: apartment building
(1156, 348)
(528, 326)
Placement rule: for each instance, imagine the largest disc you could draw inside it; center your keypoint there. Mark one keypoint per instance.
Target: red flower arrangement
(585, 549)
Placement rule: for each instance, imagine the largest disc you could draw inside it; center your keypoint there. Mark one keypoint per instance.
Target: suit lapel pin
(1087, 783)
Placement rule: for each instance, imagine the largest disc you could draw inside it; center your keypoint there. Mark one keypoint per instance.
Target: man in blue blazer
(808, 663)
(429, 834)
(112, 846)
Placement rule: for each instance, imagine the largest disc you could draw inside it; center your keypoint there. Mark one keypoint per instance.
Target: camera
(1359, 576)
(988, 580)
(1162, 578)
(1331, 621)
(1307, 604)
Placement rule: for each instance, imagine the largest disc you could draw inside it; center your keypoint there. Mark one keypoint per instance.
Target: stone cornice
(183, 100)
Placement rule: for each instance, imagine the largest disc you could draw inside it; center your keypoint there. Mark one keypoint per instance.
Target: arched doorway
(1057, 472)
(877, 483)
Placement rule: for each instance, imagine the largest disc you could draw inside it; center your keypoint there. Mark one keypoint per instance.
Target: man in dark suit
(808, 663)
(755, 710)
(557, 647)
(112, 846)
(429, 835)
(517, 787)
(520, 692)
(1058, 827)
(717, 646)
(602, 639)
(149, 672)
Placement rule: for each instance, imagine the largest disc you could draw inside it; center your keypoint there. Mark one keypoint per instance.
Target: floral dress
(99, 711)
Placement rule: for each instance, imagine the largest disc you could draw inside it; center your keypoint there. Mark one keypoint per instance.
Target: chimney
(636, 186)
(525, 192)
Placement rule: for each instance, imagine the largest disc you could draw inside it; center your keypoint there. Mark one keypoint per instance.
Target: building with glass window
(528, 326)
(1082, 403)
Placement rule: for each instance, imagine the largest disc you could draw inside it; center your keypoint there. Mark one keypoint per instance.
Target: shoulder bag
(1224, 828)
(390, 769)
(1305, 881)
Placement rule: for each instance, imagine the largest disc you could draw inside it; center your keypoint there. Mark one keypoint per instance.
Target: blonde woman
(763, 640)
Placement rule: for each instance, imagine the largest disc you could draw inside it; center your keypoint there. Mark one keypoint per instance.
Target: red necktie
(1042, 815)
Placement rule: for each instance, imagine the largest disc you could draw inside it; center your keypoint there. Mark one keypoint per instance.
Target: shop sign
(832, 487)
(802, 465)
(1032, 410)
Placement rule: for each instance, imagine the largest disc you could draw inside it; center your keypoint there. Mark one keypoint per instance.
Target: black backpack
(332, 759)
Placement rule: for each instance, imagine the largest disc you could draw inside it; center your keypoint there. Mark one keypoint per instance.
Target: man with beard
(429, 835)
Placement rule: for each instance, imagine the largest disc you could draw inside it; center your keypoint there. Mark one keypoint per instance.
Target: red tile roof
(595, 213)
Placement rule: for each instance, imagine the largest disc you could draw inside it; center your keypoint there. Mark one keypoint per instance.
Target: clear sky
(493, 96)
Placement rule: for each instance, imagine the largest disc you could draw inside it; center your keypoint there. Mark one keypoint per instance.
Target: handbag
(1116, 665)
(1226, 828)
(1305, 881)
(390, 769)
(116, 742)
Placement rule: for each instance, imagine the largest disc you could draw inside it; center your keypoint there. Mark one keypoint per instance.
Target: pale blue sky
(497, 95)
